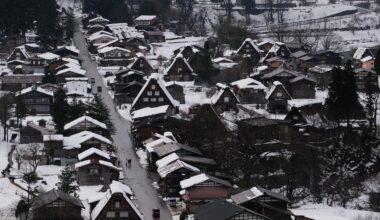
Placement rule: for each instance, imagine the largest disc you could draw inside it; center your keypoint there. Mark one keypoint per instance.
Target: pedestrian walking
(129, 162)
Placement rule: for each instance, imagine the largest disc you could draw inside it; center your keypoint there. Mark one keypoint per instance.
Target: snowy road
(136, 176)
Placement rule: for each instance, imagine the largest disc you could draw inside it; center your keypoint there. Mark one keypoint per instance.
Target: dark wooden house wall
(221, 105)
(30, 135)
(153, 96)
(179, 71)
(302, 89)
(142, 65)
(249, 50)
(38, 102)
(66, 212)
(111, 207)
(105, 175)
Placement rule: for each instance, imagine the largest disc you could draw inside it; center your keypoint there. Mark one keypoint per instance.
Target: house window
(153, 87)
(153, 99)
(146, 100)
(110, 215)
(226, 99)
(157, 93)
(279, 94)
(160, 99)
(141, 65)
(119, 54)
(149, 93)
(295, 117)
(94, 171)
(124, 214)
(117, 204)
(179, 69)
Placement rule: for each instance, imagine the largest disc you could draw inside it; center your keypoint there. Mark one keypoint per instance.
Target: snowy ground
(324, 212)
(351, 40)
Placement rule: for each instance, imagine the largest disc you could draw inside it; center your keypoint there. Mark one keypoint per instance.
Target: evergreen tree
(342, 100)
(20, 109)
(77, 109)
(377, 62)
(98, 110)
(49, 78)
(67, 183)
(49, 29)
(114, 10)
(69, 25)
(59, 110)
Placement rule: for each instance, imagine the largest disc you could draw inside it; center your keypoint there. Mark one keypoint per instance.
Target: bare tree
(281, 10)
(227, 4)
(186, 7)
(32, 156)
(18, 154)
(268, 13)
(330, 42)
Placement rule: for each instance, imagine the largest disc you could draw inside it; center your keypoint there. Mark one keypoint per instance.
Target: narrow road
(136, 176)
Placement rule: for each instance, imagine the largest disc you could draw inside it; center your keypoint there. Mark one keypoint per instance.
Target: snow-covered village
(189, 110)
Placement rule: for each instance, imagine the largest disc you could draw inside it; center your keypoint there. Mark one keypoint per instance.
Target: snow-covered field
(350, 40)
(324, 212)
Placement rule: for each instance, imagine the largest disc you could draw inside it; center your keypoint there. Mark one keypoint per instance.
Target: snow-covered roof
(74, 69)
(99, 18)
(48, 56)
(200, 178)
(148, 111)
(135, 59)
(77, 86)
(177, 59)
(82, 164)
(100, 35)
(75, 140)
(71, 61)
(108, 49)
(70, 48)
(367, 58)
(223, 88)
(38, 89)
(167, 160)
(123, 31)
(88, 162)
(280, 69)
(359, 53)
(119, 187)
(85, 119)
(301, 77)
(102, 45)
(186, 158)
(248, 83)
(252, 43)
(145, 17)
(103, 202)
(53, 137)
(92, 151)
(273, 88)
(222, 60)
(161, 84)
(256, 192)
(178, 164)
(321, 68)
(108, 164)
(164, 140)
